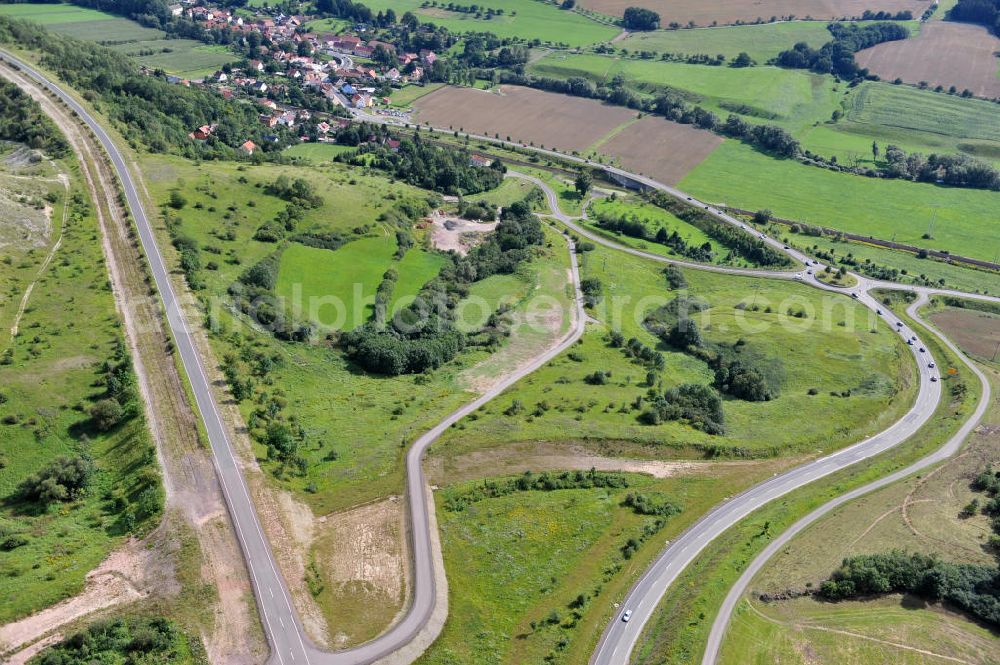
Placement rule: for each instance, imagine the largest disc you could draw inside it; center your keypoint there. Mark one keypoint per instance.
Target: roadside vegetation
(130, 640)
(685, 613)
(831, 361)
(78, 473)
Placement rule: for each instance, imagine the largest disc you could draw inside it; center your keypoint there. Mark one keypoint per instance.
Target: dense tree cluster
(298, 191)
(136, 640)
(423, 336)
(738, 242)
(634, 227)
(63, 479)
(528, 481)
(147, 110)
(22, 121)
(640, 18)
(644, 504)
(973, 588)
(698, 405)
(837, 56)
(954, 170)
(984, 12)
(121, 400)
(743, 380)
(420, 163)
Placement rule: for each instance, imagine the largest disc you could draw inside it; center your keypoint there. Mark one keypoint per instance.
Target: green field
(823, 355)
(183, 57)
(794, 97)
(50, 376)
(761, 42)
(653, 218)
(512, 561)
(319, 152)
(958, 219)
(346, 279)
(526, 19)
(406, 95)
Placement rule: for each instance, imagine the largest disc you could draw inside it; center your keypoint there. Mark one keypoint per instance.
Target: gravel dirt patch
(363, 564)
(705, 13)
(661, 149)
(549, 456)
(944, 53)
(524, 114)
(460, 235)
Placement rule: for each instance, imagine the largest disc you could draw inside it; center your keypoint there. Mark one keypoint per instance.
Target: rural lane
(951, 447)
(285, 633)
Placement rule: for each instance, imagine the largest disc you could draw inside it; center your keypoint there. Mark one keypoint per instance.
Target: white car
(627, 615)
(931, 365)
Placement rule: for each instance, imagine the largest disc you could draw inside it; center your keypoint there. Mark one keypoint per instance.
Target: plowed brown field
(661, 149)
(944, 53)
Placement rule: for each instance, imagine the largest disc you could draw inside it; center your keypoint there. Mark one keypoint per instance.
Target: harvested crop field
(526, 115)
(977, 333)
(704, 13)
(661, 149)
(944, 53)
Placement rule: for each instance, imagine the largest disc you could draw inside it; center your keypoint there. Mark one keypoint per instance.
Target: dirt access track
(726, 12)
(944, 53)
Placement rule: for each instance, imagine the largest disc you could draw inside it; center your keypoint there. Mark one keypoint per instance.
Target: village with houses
(305, 82)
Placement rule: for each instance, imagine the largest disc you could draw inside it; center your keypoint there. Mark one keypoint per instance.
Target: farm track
(289, 641)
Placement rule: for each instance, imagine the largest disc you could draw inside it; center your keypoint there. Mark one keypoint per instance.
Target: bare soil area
(725, 12)
(363, 567)
(976, 333)
(944, 53)
(661, 149)
(551, 456)
(451, 233)
(128, 574)
(524, 114)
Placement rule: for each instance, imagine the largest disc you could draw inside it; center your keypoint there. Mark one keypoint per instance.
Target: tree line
(23, 121)
(972, 587)
(837, 56)
(983, 12)
(422, 164)
(459, 500)
(632, 226)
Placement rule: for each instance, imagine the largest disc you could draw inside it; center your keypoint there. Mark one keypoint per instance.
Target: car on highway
(922, 349)
(854, 295)
(809, 271)
(910, 342)
(627, 615)
(899, 324)
(934, 378)
(879, 312)
(931, 365)
(798, 275)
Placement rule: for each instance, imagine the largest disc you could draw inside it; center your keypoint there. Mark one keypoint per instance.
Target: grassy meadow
(817, 353)
(527, 19)
(50, 375)
(678, 630)
(887, 209)
(761, 42)
(518, 565)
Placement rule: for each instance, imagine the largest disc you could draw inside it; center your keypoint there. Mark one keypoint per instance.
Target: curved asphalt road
(718, 630)
(285, 634)
(281, 623)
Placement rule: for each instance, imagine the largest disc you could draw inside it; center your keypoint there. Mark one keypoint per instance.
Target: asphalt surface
(717, 633)
(285, 634)
(284, 631)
